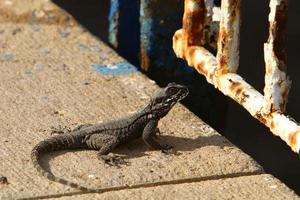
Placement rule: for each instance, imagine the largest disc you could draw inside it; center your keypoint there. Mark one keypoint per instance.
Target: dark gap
(129, 31)
(217, 3)
(91, 14)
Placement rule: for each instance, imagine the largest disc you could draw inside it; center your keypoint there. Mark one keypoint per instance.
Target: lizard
(105, 137)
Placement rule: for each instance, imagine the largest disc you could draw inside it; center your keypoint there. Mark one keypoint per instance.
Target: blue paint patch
(115, 69)
(96, 48)
(64, 34)
(83, 46)
(45, 53)
(46, 98)
(52, 17)
(8, 56)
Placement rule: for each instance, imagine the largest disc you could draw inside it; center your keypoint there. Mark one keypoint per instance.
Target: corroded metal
(193, 22)
(222, 74)
(277, 83)
(229, 37)
(211, 24)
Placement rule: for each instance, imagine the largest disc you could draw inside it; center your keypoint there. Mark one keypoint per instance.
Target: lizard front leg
(106, 144)
(149, 132)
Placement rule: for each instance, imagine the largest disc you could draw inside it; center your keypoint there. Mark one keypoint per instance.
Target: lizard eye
(172, 90)
(158, 101)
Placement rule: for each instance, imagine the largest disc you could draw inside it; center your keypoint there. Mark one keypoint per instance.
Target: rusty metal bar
(229, 37)
(193, 22)
(232, 84)
(277, 83)
(211, 24)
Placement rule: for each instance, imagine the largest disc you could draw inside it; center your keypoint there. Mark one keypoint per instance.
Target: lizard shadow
(138, 148)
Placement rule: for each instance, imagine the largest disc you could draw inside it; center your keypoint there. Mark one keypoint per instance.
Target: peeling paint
(45, 52)
(64, 34)
(8, 56)
(115, 69)
(277, 83)
(229, 35)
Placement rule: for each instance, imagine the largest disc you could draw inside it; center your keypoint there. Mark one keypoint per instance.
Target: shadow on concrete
(91, 14)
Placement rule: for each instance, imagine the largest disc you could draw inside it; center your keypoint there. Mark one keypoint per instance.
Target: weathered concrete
(260, 187)
(55, 75)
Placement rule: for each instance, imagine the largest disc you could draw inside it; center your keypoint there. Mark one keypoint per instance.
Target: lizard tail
(59, 142)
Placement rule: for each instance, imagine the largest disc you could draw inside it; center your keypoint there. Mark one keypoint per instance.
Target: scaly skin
(105, 137)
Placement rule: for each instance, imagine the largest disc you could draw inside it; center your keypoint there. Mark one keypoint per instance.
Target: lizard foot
(60, 130)
(113, 160)
(157, 132)
(167, 149)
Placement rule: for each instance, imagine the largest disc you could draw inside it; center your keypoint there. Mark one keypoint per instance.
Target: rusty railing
(220, 70)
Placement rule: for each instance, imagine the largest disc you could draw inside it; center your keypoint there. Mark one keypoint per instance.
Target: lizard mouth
(182, 93)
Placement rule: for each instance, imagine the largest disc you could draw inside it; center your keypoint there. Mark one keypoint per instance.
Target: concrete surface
(222, 189)
(50, 77)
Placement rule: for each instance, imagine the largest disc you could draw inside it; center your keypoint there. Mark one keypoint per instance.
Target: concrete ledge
(60, 75)
(260, 187)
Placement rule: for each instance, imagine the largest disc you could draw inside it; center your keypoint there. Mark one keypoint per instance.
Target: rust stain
(285, 94)
(260, 118)
(191, 52)
(191, 55)
(200, 68)
(234, 86)
(223, 46)
(193, 23)
(176, 37)
(280, 40)
(282, 105)
(238, 91)
(272, 108)
(293, 138)
(235, 5)
(145, 61)
(223, 61)
(244, 97)
(272, 125)
(223, 36)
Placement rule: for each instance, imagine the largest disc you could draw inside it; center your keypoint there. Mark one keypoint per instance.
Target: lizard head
(164, 99)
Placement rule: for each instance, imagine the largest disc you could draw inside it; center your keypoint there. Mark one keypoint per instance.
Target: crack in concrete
(150, 184)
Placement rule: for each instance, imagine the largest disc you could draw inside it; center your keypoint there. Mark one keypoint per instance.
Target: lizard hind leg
(149, 133)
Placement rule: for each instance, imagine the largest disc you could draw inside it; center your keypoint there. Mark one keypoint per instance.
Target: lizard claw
(167, 149)
(60, 130)
(113, 160)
